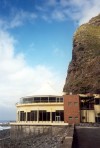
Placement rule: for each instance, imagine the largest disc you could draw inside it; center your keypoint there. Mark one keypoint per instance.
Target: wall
(87, 116)
(40, 106)
(71, 109)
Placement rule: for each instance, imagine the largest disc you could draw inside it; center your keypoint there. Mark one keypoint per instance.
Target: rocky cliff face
(84, 69)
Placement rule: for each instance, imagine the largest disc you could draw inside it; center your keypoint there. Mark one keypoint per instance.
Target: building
(82, 108)
(58, 110)
(41, 109)
(90, 108)
(71, 109)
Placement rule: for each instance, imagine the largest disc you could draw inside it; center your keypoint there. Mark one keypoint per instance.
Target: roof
(45, 91)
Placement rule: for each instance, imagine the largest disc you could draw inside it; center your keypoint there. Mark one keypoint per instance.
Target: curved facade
(60, 110)
(40, 109)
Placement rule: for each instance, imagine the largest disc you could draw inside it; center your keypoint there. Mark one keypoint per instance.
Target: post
(51, 116)
(38, 115)
(26, 116)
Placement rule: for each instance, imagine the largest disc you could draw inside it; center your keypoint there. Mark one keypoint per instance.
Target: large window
(52, 99)
(44, 99)
(42, 115)
(97, 119)
(22, 116)
(37, 99)
(53, 116)
(47, 116)
(28, 116)
(58, 115)
(59, 99)
(97, 101)
(33, 115)
(27, 100)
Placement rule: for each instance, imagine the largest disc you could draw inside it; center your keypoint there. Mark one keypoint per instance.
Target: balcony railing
(40, 100)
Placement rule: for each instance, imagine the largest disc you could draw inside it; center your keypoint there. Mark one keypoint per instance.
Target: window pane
(44, 99)
(69, 103)
(70, 118)
(76, 103)
(37, 99)
(61, 99)
(97, 101)
(76, 118)
(57, 99)
(52, 99)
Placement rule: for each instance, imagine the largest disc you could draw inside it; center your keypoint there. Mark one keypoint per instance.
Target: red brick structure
(71, 109)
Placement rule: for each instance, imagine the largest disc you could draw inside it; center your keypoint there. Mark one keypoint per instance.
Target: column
(38, 115)
(19, 117)
(26, 116)
(51, 116)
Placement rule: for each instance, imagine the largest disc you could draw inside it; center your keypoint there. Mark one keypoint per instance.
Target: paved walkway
(87, 137)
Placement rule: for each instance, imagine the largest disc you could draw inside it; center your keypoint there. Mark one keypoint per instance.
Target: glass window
(57, 99)
(76, 103)
(97, 101)
(69, 103)
(83, 117)
(76, 118)
(44, 99)
(28, 100)
(36, 99)
(61, 99)
(52, 99)
(34, 115)
(70, 118)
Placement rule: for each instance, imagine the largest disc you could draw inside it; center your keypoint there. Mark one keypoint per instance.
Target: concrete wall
(56, 136)
(24, 131)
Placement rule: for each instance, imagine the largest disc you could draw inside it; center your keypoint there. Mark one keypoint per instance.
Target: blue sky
(36, 38)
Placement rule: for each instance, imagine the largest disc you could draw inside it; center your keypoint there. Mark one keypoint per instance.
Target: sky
(36, 39)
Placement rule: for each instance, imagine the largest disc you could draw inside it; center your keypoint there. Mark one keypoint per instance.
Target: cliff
(84, 69)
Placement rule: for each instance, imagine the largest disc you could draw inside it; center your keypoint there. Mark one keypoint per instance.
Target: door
(57, 118)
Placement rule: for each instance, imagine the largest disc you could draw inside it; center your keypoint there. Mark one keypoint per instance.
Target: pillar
(38, 115)
(51, 116)
(26, 116)
(19, 117)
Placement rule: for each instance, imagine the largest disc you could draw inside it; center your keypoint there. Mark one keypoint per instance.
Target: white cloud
(58, 15)
(54, 10)
(82, 11)
(21, 16)
(17, 18)
(77, 10)
(17, 79)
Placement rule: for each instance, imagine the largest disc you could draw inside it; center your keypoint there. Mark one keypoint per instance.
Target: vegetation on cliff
(84, 69)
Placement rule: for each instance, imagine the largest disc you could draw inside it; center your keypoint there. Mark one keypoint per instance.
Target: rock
(84, 69)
